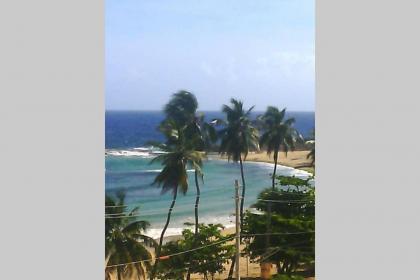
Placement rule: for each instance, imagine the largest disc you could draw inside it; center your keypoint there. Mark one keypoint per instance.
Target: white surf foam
(226, 221)
(159, 170)
(128, 153)
(145, 152)
(152, 171)
(283, 170)
(156, 232)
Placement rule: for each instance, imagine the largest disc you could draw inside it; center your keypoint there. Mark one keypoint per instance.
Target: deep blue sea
(131, 129)
(128, 167)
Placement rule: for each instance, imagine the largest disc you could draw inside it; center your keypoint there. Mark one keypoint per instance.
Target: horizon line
(208, 110)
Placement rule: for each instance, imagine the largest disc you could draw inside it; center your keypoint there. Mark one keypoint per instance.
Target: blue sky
(259, 51)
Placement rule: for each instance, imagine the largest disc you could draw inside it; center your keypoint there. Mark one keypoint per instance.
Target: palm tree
(173, 177)
(278, 134)
(238, 137)
(311, 154)
(182, 107)
(125, 240)
(181, 111)
(201, 135)
(181, 117)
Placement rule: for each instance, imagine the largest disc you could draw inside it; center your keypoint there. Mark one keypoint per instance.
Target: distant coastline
(295, 159)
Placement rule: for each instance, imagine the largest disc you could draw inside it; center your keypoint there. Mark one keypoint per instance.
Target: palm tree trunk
(119, 274)
(197, 201)
(163, 233)
(276, 155)
(241, 212)
(232, 265)
(267, 238)
(243, 192)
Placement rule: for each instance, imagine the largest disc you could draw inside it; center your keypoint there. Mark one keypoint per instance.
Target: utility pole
(237, 277)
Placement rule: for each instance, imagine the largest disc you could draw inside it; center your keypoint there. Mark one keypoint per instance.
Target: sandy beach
(295, 159)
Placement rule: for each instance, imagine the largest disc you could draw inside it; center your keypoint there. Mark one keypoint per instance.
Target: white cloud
(231, 71)
(294, 57)
(207, 69)
(289, 64)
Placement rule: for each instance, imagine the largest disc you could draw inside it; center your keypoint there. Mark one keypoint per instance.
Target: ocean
(128, 167)
(131, 129)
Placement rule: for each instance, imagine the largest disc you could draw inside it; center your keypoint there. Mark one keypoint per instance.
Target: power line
(264, 257)
(199, 265)
(289, 246)
(119, 214)
(124, 216)
(123, 205)
(141, 214)
(149, 212)
(287, 200)
(279, 233)
(174, 254)
(184, 207)
(267, 200)
(127, 205)
(181, 207)
(274, 251)
(287, 193)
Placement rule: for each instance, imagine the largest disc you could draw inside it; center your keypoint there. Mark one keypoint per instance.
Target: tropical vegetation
(293, 211)
(210, 259)
(285, 207)
(187, 136)
(278, 134)
(173, 177)
(181, 113)
(237, 137)
(311, 154)
(125, 241)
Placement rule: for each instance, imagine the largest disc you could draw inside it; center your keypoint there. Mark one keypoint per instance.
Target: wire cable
(279, 233)
(286, 201)
(174, 254)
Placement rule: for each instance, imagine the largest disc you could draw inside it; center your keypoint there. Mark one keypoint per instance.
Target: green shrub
(208, 260)
(291, 241)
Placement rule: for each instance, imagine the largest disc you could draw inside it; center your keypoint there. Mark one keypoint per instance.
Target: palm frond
(239, 135)
(278, 133)
(122, 245)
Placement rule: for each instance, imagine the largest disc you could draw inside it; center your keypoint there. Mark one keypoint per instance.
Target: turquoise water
(134, 173)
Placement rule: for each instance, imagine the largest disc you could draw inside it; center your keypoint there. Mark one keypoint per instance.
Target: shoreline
(294, 159)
